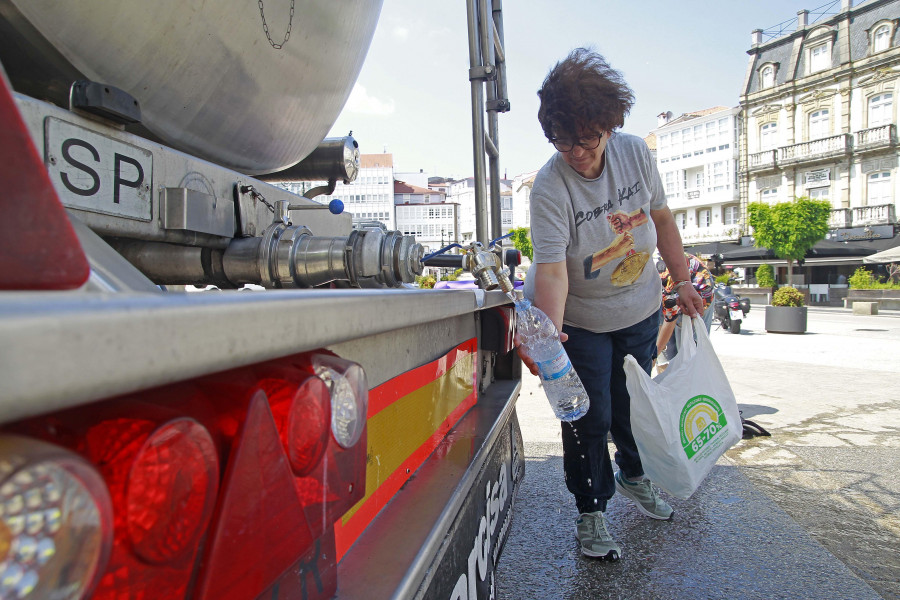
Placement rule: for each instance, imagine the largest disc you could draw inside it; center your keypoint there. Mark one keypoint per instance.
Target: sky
(413, 99)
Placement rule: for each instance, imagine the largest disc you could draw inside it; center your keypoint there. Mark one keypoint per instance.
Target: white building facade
(462, 192)
(697, 157)
(820, 107)
(368, 198)
(423, 213)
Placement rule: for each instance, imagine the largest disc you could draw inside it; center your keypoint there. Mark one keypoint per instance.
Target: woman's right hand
(523, 352)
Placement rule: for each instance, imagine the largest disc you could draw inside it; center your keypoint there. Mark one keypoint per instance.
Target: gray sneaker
(645, 496)
(595, 541)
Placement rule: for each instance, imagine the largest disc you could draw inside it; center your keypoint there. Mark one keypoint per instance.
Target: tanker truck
(336, 433)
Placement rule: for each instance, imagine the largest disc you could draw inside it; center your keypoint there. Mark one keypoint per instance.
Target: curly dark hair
(583, 90)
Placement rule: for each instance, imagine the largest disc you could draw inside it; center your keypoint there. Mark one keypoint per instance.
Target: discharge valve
(487, 268)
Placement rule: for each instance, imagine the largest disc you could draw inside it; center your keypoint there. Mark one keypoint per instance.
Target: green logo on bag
(701, 419)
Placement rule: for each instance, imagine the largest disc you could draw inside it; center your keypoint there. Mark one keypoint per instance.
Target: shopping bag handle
(687, 343)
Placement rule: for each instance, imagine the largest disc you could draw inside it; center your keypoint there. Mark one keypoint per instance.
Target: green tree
(789, 229)
(521, 239)
(765, 277)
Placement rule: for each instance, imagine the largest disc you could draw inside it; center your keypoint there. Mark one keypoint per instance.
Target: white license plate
(95, 172)
(736, 315)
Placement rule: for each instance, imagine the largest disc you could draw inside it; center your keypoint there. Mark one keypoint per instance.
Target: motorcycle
(729, 309)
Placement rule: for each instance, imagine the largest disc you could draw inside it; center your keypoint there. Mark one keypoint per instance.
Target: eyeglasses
(588, 143)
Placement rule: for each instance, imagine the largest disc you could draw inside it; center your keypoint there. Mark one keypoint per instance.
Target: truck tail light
(162, 474)
(349, 397)
(176, 524)
(302, 413)
(55, 521)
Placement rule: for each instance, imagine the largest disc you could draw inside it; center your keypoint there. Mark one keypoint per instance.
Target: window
(881, 109)
(703, 219)
(881, 39)
(681, 220)
(731, 215)
(819, 58)
(718, 176)
(506, 203)
(879, 189)
(670, 182)
(769, 195)
(819, 124)
(767, 136)
(698, 180)
(768, 77)
(821, 193)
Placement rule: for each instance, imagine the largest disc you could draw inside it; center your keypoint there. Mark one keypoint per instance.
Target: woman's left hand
(689, 301)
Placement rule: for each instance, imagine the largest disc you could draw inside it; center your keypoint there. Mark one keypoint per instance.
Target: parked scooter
(729, 309)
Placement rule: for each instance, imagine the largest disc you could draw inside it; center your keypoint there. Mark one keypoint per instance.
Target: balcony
(883, 214)
(816, 150)
(876, 138)
(839, 218)
(763, 161)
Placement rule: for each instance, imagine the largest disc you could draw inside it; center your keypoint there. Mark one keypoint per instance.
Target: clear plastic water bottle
(561, 383)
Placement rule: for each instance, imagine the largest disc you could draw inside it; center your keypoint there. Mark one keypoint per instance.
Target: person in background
(598, 210)
(702, 281)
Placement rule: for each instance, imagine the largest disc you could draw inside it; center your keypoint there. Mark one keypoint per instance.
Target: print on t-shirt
(629, 270)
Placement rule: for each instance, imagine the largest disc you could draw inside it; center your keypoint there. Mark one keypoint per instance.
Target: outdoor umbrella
(885, 256)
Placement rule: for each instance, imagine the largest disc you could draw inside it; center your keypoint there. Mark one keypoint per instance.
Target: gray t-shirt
(602, 229)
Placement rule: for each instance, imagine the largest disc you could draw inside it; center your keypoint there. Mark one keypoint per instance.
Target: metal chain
(287, 35)
(255, 194)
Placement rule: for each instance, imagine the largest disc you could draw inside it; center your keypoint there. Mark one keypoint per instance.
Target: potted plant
(787, 313)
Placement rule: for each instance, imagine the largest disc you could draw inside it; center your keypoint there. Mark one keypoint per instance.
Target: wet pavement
(812, 512)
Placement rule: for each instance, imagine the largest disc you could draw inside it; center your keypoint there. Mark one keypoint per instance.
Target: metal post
(475, 62)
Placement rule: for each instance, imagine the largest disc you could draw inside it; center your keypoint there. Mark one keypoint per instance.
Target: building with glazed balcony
(819, 115)
(697, 158)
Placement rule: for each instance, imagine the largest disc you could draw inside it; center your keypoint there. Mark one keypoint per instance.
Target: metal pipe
(170, 264)
(492, 150)
(481, 229)
(500, 43)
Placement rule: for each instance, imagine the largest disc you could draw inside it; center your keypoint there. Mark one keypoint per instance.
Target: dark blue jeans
(598, 359)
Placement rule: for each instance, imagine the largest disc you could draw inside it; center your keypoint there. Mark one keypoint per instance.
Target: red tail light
(162, 473)
(265, 522)
(171, 490)
(734, 304)
(302, 414)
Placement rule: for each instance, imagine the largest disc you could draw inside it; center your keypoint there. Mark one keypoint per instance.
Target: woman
(598, 210)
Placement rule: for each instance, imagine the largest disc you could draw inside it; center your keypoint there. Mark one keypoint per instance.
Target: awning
(831, 252)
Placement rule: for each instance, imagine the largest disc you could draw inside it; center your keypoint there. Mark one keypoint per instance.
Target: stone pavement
(812, 512)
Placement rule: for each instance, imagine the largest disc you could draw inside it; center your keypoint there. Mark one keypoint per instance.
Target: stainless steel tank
(253, 86)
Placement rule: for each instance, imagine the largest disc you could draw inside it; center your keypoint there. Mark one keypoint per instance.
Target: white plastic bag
(687, 417)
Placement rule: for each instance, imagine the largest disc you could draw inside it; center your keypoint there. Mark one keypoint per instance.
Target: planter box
(786, 319)
(884, 298)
